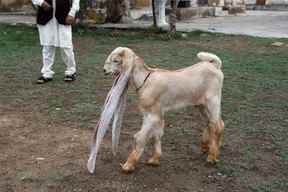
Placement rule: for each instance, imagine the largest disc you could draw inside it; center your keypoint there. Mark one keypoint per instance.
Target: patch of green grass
(26, 176)
(248, 152)
(227, 170)
(55, 176)
(284, 155)
(250, 73)
(180, 131)
(270, 187)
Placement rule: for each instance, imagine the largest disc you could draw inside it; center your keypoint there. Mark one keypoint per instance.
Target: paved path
(254, 23)
(17, 19)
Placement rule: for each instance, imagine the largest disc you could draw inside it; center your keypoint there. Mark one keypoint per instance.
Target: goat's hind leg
(215, 129)
(215, 140)
(205, 134)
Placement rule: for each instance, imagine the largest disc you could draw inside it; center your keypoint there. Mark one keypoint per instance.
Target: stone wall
(267, 2)
(15, 5)
(235, 3)
(276, 2)
(215, 3)
(250, 2)
(140, 3)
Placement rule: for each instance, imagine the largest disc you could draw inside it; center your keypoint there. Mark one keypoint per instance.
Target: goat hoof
(204, 148)
(127, 168)
(212, 160)
(153, 162)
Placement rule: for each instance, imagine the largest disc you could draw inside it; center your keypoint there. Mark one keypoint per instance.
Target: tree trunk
(117, 10)
(173, 18)
(154, 14)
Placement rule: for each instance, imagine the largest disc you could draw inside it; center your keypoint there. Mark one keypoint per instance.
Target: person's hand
(69, 20)
(46, 6)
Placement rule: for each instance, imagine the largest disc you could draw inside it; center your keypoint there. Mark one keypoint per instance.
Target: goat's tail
(215, 60)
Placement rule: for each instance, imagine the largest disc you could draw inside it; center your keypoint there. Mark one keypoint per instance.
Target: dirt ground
(45, 130)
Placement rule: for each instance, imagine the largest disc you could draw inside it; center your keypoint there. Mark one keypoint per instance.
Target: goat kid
(161, 90)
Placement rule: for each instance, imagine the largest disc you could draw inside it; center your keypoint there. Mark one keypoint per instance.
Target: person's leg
(48, 55)
(160, 13)
(69, 60)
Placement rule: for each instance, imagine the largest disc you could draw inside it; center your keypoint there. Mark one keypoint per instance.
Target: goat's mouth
(107, 73)
(116, 73)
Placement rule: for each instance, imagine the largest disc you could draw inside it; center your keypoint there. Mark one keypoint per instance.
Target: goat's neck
(139, 74)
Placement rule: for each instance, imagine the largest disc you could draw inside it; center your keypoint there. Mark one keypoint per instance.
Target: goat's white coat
(199, 84)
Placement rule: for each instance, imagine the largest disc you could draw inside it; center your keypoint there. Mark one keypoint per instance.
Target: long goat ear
(128, 58)
(122, 52)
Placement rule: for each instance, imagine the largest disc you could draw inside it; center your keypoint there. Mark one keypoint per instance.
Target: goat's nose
(105, 72)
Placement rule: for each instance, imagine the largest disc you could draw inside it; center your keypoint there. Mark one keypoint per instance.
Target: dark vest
(62, 10)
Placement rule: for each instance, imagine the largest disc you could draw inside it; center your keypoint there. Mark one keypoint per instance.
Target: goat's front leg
(160, 13)
(157, 135)
(150, 120)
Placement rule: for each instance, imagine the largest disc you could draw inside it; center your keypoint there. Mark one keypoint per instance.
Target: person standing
(54, 20)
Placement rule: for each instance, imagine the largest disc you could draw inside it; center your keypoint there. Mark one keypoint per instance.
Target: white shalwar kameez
(54, 35)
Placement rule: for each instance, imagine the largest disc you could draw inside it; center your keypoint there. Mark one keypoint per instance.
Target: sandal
(42, 80)
(70, 78)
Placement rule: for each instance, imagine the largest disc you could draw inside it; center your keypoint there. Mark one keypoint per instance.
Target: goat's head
(119, 60)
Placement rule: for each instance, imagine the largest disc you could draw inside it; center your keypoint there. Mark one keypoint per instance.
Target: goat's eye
(117, 61)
